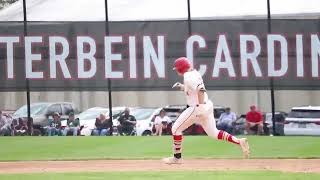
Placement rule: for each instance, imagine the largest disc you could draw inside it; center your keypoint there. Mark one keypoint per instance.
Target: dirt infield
(286, 165)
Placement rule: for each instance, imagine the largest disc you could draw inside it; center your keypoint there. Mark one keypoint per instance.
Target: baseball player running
(200, 110)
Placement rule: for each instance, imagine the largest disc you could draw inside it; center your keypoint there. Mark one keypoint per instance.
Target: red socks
(177, 142)
(222, 135)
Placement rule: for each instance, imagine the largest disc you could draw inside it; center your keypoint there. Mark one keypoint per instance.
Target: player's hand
(177, 85)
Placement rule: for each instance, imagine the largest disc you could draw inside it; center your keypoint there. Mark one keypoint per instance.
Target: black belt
(199, 104)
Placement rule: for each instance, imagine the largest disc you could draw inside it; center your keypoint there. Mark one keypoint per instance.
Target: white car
(144, 118)
(303, 121)
(88, 118)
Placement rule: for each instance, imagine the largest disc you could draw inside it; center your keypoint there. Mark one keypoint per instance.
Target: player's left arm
(201, 93)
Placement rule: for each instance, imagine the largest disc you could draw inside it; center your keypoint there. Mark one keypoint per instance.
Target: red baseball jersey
(254, 117)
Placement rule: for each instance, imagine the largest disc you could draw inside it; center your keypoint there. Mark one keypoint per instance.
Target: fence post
(189, 18)
(27, 80)
(109, 80)
(271, 79)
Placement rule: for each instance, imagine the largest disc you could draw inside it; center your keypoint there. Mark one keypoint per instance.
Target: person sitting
(254, 119)
(5, 122)
(127, 123)
(102, 126)
(22, 128)
(73, 125)
(54, 127)
(161, 122)
(226, 120)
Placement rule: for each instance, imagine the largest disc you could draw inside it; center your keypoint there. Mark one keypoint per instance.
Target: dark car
(40, 112)
(279, 118)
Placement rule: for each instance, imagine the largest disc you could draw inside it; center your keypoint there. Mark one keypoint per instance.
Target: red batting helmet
(181, 65)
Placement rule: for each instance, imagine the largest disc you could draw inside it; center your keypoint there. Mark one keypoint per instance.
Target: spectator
(102, 126)
(54, 127)
(5, 124)
(127, 123)
(254, 119)
(73, 125)
(22, 128)
(161, 122)
(226, 120)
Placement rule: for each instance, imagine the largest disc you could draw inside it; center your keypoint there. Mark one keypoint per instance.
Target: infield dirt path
(286, 165)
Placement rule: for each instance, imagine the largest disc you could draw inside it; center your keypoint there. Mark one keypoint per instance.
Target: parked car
(144, 117)
(218, 110)
(88, 118)
(41, 111)
(279, 118)
(173, 111)
(8, 112)
(303, 120)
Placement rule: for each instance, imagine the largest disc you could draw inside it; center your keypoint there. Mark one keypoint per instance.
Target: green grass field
(76, 148)
(85, 148)
(205, 175)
